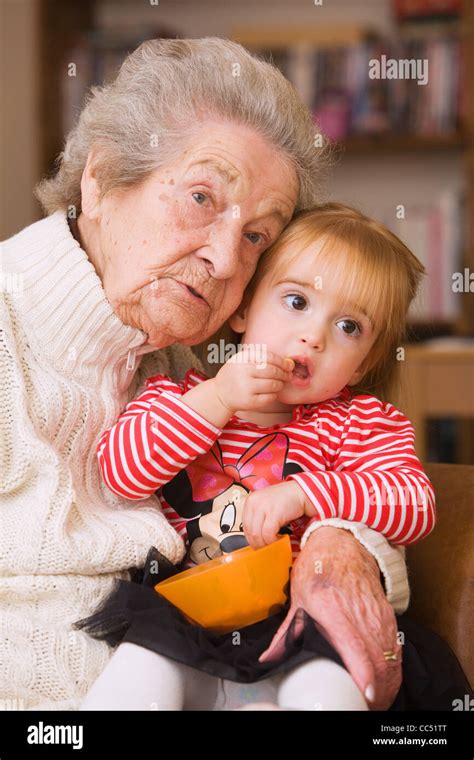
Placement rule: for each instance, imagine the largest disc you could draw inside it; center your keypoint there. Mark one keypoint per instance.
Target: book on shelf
(409, 9)
(331, 72)
(373, 86)
(434, 233)
(98, 56)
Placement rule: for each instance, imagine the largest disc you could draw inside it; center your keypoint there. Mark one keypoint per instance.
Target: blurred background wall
(20, 160)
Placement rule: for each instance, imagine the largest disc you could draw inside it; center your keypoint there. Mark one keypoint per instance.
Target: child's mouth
(300, 370)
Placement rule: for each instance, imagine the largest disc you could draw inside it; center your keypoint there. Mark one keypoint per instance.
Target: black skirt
(135, 613)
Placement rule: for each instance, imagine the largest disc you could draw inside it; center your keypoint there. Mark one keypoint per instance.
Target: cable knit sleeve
(156, 436)
(15, 457)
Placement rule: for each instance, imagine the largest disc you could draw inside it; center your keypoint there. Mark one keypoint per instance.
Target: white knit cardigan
(64, 536)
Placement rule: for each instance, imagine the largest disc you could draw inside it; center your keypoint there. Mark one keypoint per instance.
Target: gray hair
(163, 90)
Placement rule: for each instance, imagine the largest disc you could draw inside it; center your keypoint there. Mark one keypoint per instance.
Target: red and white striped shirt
(353, 457)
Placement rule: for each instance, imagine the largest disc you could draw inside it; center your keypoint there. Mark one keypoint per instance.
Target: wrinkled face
(176, 252)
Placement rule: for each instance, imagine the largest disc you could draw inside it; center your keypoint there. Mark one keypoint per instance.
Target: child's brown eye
(296, 301)
(349, 327)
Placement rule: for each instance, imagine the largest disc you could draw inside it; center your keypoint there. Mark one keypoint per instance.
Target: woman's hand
(336, 581)
(244, 383)
(268, 510)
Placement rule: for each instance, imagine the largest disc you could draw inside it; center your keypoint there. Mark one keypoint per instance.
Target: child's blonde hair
(372, 268)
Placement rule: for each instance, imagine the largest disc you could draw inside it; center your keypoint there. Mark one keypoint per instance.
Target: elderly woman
(176, 178)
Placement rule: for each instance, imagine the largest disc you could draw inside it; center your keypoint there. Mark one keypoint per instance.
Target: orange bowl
(233, 590)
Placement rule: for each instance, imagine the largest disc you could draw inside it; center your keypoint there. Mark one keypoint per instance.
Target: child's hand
(246, 384)
(268, 510)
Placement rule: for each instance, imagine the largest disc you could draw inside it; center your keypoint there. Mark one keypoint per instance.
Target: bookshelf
(61, 25)
(400, 143)
(65, 26)
(282, 46)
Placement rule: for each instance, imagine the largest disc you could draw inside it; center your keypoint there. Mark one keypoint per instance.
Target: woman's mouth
(195, 295)
(194, 292)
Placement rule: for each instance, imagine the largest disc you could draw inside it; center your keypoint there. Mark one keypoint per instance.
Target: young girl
(288, 432)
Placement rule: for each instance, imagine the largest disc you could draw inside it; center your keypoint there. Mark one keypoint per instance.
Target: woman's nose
(222, 254)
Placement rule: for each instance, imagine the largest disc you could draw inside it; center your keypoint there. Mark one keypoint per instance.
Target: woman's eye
(200, 198)
(349, 327)
(295, 301)
(254, 237)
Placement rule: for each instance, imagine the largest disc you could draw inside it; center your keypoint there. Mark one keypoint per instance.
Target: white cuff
(390, 558)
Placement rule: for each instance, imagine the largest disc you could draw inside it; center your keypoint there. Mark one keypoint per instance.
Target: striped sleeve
(155, 437)
(375, 477)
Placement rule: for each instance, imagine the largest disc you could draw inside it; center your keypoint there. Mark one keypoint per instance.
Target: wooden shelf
(281, 37)
(418, 332)
(387, 143)
(438, 382)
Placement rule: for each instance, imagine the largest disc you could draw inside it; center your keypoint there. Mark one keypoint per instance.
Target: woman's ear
(90, 191)
(238, 320)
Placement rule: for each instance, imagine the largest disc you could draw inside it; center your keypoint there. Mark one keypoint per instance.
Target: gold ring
(390, 655)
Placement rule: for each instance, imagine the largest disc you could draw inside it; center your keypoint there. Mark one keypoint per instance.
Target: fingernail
(370, 693)
(290, 363)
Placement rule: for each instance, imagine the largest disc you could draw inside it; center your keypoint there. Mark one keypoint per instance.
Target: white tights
(138, 679)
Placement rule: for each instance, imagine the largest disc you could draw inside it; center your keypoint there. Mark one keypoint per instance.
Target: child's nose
(314, 338)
